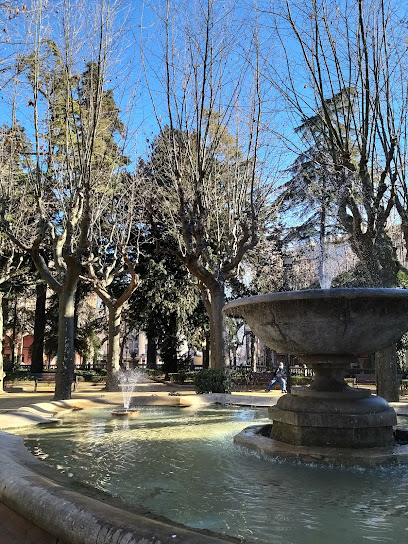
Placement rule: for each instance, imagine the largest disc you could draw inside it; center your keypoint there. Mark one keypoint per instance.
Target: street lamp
(287, 272)
(287, 276)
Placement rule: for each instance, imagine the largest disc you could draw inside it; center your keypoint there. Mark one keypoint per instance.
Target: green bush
(87, 375)
(97, 378)
(153, 373)
(213, 380)
(177, 377)
(190, 375)
(19, 375)
(301, 380)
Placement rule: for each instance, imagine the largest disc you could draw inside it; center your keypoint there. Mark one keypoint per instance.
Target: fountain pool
(182, 463)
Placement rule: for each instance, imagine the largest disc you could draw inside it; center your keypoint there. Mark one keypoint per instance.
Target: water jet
(128, 379)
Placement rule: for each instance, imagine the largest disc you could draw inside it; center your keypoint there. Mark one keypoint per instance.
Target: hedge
(213, 380)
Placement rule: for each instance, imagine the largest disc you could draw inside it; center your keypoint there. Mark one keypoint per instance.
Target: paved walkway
(20, 406)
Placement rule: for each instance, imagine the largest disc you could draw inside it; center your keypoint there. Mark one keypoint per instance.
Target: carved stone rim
(233, 307)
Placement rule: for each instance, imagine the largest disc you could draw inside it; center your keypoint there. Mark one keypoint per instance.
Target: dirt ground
(23, 394)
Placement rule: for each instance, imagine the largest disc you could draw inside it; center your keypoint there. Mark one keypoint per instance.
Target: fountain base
(351, 418)
(256, 438)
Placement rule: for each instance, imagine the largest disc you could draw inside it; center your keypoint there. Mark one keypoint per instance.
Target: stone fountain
(328, 329)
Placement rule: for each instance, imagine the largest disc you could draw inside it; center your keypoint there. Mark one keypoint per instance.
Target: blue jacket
(280, 372)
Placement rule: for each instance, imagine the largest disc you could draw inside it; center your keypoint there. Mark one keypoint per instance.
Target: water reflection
(183, 464)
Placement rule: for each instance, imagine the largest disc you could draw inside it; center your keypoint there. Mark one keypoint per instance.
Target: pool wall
(40, 506)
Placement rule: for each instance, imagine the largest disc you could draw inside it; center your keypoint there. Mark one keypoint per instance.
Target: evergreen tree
(164, 303)
(214, 218)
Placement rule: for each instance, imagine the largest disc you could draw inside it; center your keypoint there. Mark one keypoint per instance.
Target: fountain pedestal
(330, 413)
(325, 419)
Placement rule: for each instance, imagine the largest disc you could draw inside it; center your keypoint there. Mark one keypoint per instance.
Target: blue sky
(136, 24)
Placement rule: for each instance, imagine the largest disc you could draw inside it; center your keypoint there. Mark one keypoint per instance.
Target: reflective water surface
(183, 464)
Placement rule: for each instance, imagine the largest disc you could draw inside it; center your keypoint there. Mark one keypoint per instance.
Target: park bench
(369, 379)
(365, 379)
(49, 377)
(262, 379)
(248, 379)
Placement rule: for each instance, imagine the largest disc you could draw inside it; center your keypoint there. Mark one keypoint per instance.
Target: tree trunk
(253, 352)
(218, 335)
(386, 373)
(268, 358)
(151, 359)
(206, 352)
(37, 355)
(13, 339)
(170, 343)
(20, 346)
(66, 349)
(122, 349)
(1, 344)
(113, 348)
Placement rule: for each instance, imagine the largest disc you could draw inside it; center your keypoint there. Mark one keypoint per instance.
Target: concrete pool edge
(42, 498)
(45, 412)
(252, 438)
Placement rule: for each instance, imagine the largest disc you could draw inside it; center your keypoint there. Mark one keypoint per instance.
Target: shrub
(19, 375)
(213, 380)
(190, 375)
(301, 380)
(153, 373)
(86, 375)
(97, 378)
(177, 377)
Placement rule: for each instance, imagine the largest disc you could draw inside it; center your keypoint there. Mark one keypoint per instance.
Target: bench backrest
(45, 375)
(50, 376)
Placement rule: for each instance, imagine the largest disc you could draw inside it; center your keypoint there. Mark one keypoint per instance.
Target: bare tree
(343, 84)
(114, 235)
(71, 133)
(208, 189)
(343, 81)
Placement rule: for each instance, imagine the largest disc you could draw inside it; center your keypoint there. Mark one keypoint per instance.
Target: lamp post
(287, 276)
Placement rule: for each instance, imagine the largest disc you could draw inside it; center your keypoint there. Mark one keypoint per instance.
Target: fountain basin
(327, 329)
(326, 321)
(333, 420)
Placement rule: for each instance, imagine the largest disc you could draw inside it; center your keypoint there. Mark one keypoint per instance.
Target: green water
(183, 464)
